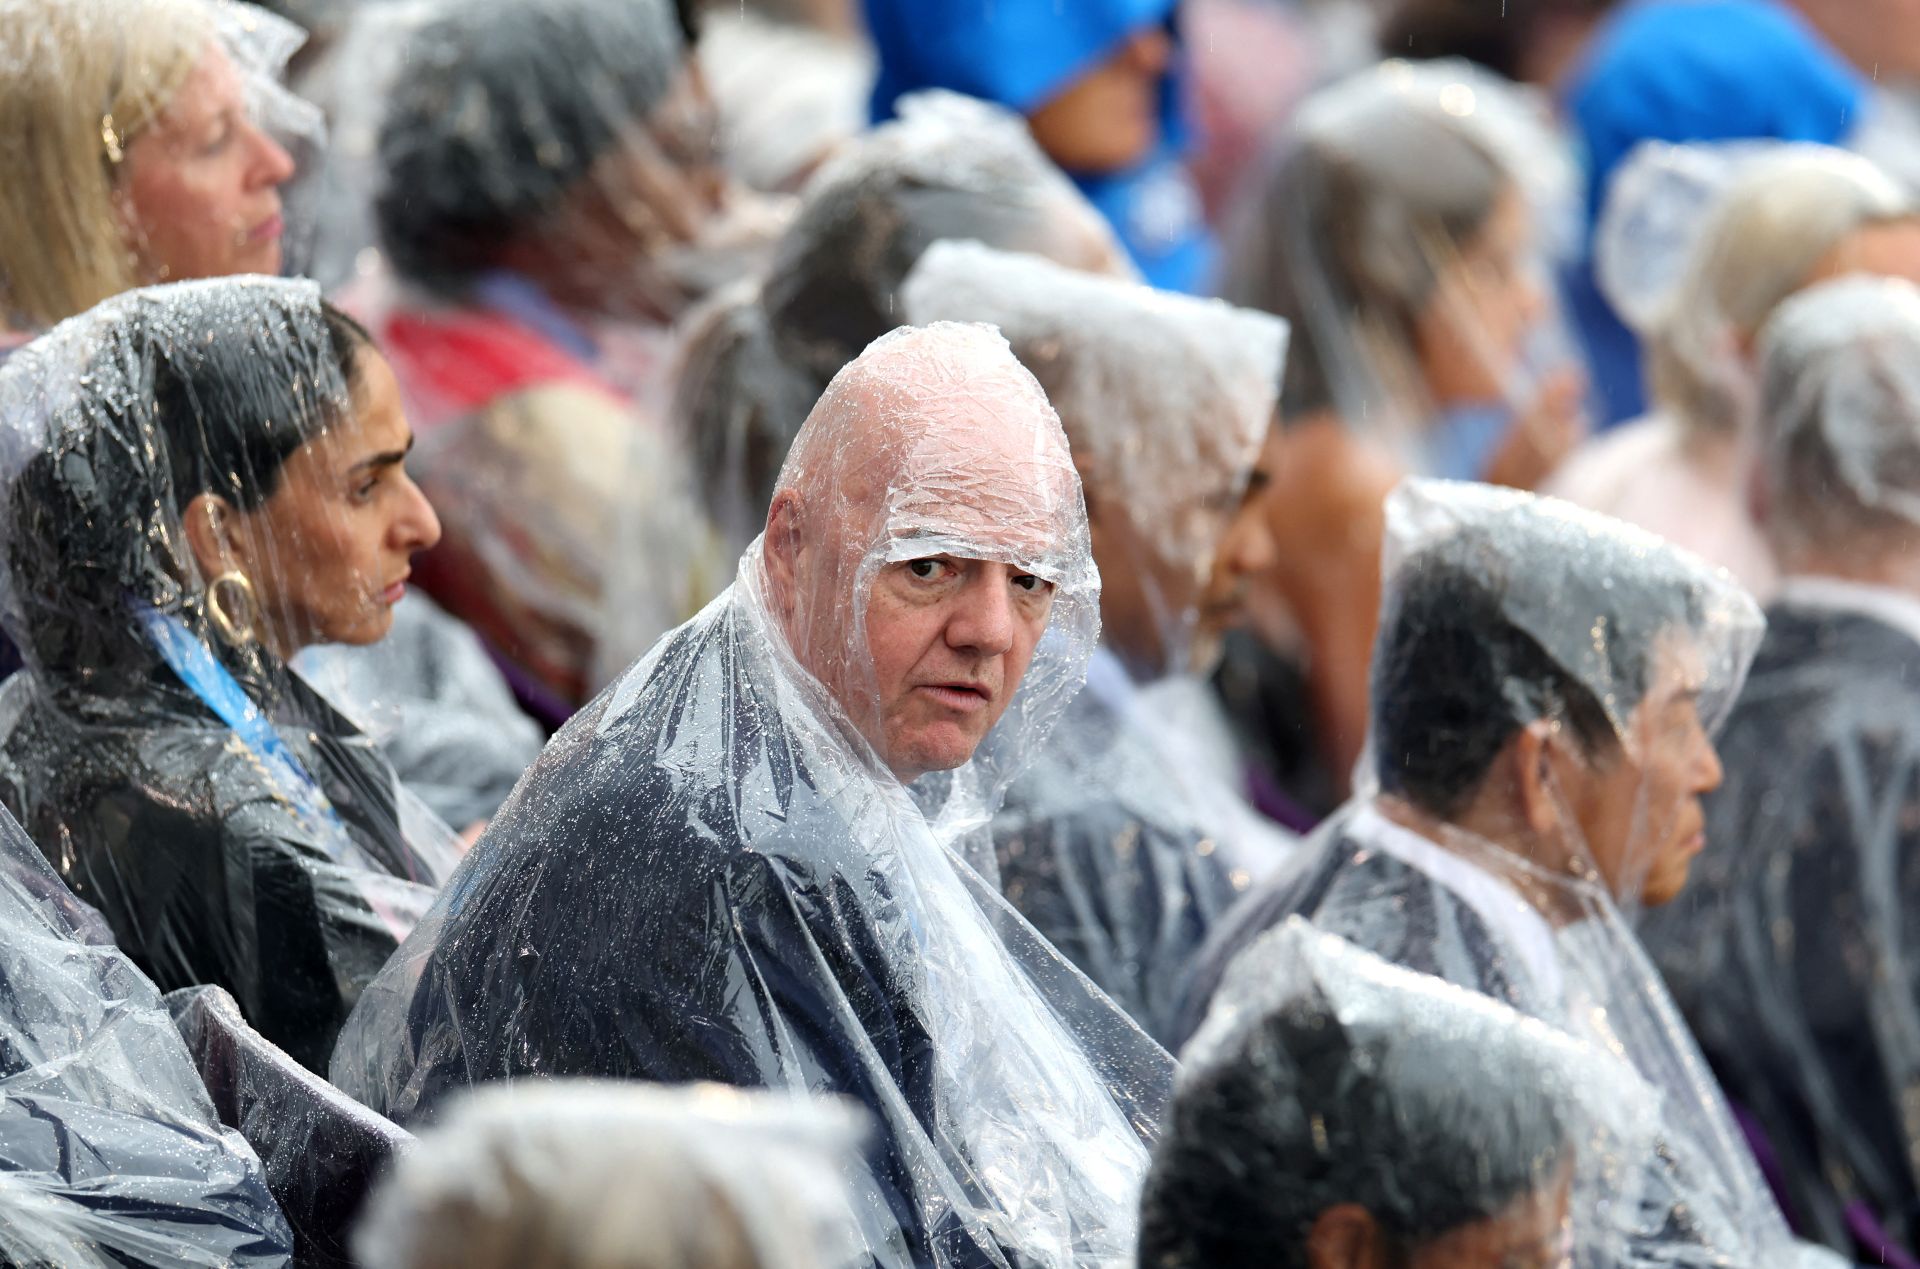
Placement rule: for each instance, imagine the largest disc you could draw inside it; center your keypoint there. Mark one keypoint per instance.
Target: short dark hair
(500, 108)
(1455, 676)
(1299, 1116)
(1498, 37)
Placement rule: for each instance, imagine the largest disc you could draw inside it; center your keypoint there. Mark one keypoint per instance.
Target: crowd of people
(686, 634)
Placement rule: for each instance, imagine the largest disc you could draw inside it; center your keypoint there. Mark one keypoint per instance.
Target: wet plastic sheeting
(233, 828)
(322, 1150)
(715, 873)
(1118, 847)
(560, 1171)
(1506, 613)
(110, 1153)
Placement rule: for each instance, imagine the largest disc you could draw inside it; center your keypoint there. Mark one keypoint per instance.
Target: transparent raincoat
(1790, 951)
(549, 201)
(1114, 844)
(1327, 1080)
(1405, 228)
(624, 1176)
(190, 481)
(110, 1153)
(758, 358)
(1545, 685)
(715, 873)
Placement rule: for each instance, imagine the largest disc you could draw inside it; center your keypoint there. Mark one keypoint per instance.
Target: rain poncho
(1118, 847)
(1022, 53)
(1515, 626)
(321, 1149)
(1790, 952)
(233, 828)
(110, 1153)
(436, 702)
(527, 144)
(758, 358)
(713, 873)
(1325, 1076)
(624, 1176)
(1702, 70)
(1375, 224)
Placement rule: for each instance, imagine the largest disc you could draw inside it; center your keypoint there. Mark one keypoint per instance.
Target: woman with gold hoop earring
(211, 481)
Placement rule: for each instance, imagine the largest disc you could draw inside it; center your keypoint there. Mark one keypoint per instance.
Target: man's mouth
(962, 697)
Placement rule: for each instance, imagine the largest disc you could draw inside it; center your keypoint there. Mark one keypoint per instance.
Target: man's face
(1532, 1233)
(1638, 806)
(950, 640)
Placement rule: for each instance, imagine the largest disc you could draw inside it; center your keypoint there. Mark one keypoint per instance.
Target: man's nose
(982, 619)
(1708, 773)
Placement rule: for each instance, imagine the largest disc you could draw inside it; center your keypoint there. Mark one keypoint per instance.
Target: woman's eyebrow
(386, 458)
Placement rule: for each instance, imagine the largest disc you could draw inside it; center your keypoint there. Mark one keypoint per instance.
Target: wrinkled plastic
(321, 1149)
(1790, 952)
(435, 702)
(1840, 411)
(110, 1153)
(1326, 1076)
(233, 828)
(1367, 205)
(1120, 850)
(756, 361)
(789, 94)
(595, 1172)
(1603, 639)
(713, 872)
(81, 253)
(548, 200)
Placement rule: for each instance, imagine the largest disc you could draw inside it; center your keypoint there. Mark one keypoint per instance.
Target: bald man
(738, 864)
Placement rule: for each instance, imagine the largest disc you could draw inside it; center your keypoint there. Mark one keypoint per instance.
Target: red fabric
(452, 364)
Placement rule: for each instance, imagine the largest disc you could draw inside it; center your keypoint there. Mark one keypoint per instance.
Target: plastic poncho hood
(713, 872)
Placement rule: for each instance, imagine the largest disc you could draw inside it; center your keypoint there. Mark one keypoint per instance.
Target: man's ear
(1530, 756)
(209, 526)
(1346, 1236)
(781, 550)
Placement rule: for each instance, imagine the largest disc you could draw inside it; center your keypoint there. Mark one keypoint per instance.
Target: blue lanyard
(197, 667)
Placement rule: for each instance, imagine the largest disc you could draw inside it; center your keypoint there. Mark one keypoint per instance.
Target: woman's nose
(272, 165)
(419, 524)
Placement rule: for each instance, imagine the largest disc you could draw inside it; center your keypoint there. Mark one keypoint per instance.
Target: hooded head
(225, 453)
(926, 556)
(1550, 679)
(1166, 400)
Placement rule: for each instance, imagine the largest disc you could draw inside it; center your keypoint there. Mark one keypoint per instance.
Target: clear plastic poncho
(1790, 951)
(1373, 225)
(1118, 847)
(1326, 1077)
(713, 873)
(110, 1153)
(624, 1176)
(757, 358)
(1545, 686)
(231, 825)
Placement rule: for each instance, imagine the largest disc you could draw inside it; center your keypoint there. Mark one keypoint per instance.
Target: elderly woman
(146, 152)
(1790, 216)
(202, 480)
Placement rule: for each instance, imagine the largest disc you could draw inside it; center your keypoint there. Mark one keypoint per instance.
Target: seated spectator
(1790, 952)
(1396, 232)
(758, 359)
(204, 479)
(1119, 848)
(746, 862)
(1788, 217)
(547, 182)
(583, 1174)
(1100, 92)
(91, 215)
(110, 1153)
(1545, 686)
(1339, 1112)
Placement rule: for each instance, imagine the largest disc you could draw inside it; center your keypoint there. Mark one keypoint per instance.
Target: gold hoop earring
(237, 633)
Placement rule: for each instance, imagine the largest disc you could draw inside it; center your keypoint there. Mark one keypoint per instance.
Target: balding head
(925, 516)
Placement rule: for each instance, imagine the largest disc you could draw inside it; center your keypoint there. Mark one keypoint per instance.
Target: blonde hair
(1773, 227)
(83, 79)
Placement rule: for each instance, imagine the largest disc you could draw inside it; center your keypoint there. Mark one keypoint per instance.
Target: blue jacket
(1021, 53)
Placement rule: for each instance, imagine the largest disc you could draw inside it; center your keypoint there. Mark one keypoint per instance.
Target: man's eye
(924, 568)
(1027, 581)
